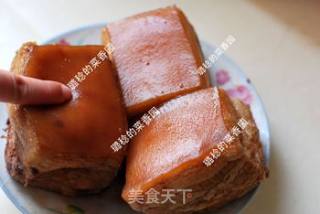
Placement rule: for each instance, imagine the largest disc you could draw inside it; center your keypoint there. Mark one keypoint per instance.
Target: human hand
(23, 90)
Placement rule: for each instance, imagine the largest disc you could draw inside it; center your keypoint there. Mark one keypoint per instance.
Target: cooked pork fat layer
(66, 148)
(157, 55)
(173, 153)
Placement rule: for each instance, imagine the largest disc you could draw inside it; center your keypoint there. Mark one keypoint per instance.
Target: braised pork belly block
(196, 151)
(66, 148)
(156, 55)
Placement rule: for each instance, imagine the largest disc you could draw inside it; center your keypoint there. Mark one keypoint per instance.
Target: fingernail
(66, 92)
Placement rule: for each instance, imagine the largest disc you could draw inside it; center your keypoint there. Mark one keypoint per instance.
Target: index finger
(29, 91)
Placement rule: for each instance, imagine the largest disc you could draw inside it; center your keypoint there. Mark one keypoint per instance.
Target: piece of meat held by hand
(173, 154)
(66, 148)
(156, 55)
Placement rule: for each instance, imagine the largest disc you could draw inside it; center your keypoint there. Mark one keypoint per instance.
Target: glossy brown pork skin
(185, 132)
(77, 134)
(169, 153)
(156, 54)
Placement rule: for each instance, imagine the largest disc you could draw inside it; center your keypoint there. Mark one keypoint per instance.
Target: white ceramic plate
(224, 73)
